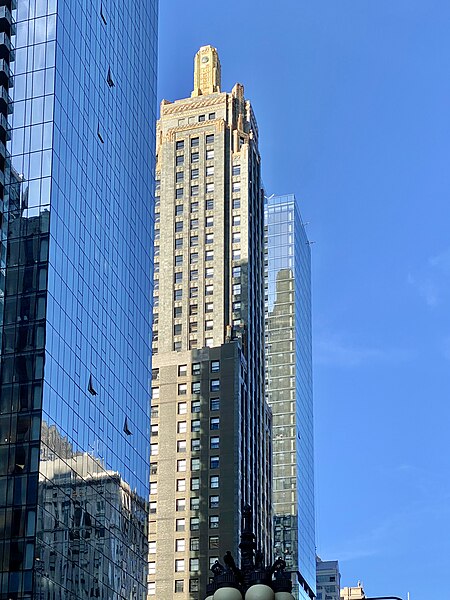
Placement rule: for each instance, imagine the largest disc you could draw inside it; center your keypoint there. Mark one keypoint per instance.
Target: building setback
(77, 104)
(289, 388)
(210, 422)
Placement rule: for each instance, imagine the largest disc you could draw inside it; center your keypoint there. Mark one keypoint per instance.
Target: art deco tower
(210, 422)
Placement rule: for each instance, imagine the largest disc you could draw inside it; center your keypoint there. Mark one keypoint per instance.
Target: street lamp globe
(284, 596)
(227, 593)
(260, 592)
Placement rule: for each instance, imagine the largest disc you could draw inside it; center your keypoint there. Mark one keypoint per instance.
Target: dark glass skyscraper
(77, 115)
(289, 387)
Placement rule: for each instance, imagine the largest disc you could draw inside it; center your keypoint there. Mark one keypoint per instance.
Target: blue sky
(352, 99)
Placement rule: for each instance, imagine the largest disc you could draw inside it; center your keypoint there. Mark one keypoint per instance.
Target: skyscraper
(77, 104)
(328, 580)
(289, 387)
(210, 422)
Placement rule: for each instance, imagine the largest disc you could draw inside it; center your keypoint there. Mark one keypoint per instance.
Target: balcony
(7, 24)
(5, 74)
(6, 48)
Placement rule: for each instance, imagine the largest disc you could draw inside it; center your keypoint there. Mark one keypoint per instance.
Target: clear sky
(352, 99)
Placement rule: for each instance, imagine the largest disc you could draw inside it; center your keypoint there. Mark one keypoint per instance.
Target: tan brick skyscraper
(210, 422)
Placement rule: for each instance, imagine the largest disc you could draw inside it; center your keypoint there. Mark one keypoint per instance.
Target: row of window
(195, 190)
(195, 428)
(195, 172)
(195, 141)
(214, 386)
(179, 585)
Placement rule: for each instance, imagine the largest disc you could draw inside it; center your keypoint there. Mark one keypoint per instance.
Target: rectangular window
(209, 289)
(236, 272)
(236, 203)
(214, 502)
(214, 521)
(193, 310)
(194, 258)
(194, 223)
(209, 272)
(182, 390)
(182, 407)
(236, 187)
(194, 240)
(152, 567)
(194, 190)
(180, 545)
(195, 425)
(194, 173)
(180, 145)
(195, 445)
(179, 160)
(194, 544)
(178, 277)
(154, 429)
(195, 464)
(201, 118)
(210, 154)
(236, 306)
(195, 406)
(193, 292)
(196, 387)
(236, 289)
(212, 116)
(178, 243)
(209, 204)
(236, 220)
(209, 238)
(194, 157)
(179, 193)
(236, 169)
(193, 327)
(179, 176)
(213, 542)
(180, 524)
(179, 565)
(209, 221)
(214, 423)
(214, 385)
(154, 449)
(213, 462)
(195, 523)
(213, 482)
(154, 487)
(195, 483)
(194, 142)
(178, 260)
(179, 585)
(182, 370)
(181, 446)
(209, 255)
(209, 187)
(195, 503)
(194, 564)
(181, 485)
(215, 366)
(210, 138)
(194, 585)
(152, 547)
(209, 325)
(209, 171)
(236, 255)
(214, 443)
(236, 238)
(196, 368)
(214, 404)
(153, 468)
(180, 504)
(209, 307)
(178, 210)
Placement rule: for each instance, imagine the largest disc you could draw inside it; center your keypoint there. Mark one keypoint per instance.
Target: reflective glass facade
(77, 104)
(289, 387)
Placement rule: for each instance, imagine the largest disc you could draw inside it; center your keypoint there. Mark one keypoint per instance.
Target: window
(196, 368)
(178, 260)
(196, 387)
(213, 462)
(181, 465)
(179, 193)
(209, 307)
(194, 190)
(153, 468)
(180, 524)
(209, 325)
(213, 542)
(214, 502)
(193, 275)
(214, 443)
(193, 292)
(209, 187)
(236, 238)
(195, 483)
(194, 173)
(177, 346)
(210, 138)
(179, 586)
(194, 157)
(193, 258)
(195, 523)
(236, 306)
(213, 482)
(181, 446)
(209, 289)
(214, 521)
(180, 504)
(178, 277)
(215, 366)
(182, 390)
(201, 117)
(193, 327)
(209, 238)
(194, 564)
(209, 255)
(209, 342)
(154, 429)
(194, 585)
(236, 272)
(236, 169)
(214, 423)
(153, 449)
(214, 404)
(194, 544)
(236, 220)
(195, 445)
(236, 323)
(195, 503)
(209, 171)
(152, 567)
(151, 588)
(194, 142)
(153, 487)
(179, 160)
(195, 464)
(180, 545)
(182, 370)
(236, 255)
(180, 145)
(179, 565)
(212, 116)
(152, 547)
(236, 187)
(195, 425)
(210, 154)
(195, 406)
(209, 204)
(178, 210)
(182, 407)
(209, 272)
(181, 485)
(236, 203)
(194, 223)
(214, 385)
(236, 289)
(194, 240)
(209, 221)
(179, 176)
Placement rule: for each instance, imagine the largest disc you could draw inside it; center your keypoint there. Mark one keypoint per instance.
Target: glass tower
(77, 114)
(289, 387)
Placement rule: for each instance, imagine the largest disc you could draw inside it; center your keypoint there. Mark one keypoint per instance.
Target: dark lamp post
(253, 580)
